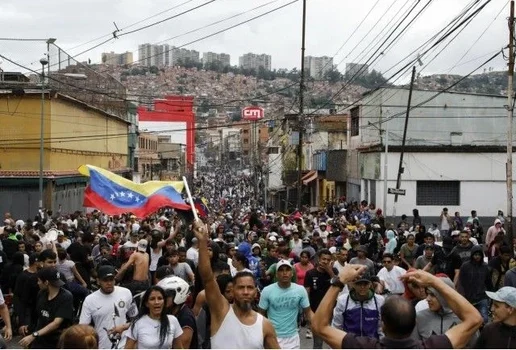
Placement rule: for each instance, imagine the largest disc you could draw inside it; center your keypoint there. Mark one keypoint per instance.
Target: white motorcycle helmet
(177, 285)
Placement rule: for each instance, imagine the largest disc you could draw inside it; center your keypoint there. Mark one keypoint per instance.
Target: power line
(479, 37)
(145, 27)
(223, 30)
(436, 95)
(22, 39)
(194, 41)
(354, 31)
(445, 35)
(372, 56)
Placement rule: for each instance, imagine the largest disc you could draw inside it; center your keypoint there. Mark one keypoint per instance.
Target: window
(355, 121)
(246, 131)
(273, 150)
(246, 141)
(438, 193)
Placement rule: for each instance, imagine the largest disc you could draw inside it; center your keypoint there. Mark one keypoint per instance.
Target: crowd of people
(247, 277)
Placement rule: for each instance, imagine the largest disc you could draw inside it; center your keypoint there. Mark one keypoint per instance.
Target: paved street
(305, 343)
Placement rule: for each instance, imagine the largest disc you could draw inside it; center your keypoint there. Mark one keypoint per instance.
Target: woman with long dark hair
(153, 328)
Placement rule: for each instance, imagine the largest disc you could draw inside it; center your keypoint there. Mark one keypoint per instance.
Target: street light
(44, 62)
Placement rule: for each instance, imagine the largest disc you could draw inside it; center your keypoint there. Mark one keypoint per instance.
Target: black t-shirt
(350, 341)
(19, 288)
(446, 264)
(269, 260)
(186, 318)
(319, 283)
(78, 252)
(497, 335)
(48, 310)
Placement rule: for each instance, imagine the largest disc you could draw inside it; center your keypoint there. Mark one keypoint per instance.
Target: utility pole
(400, 168)
(510, 78)
(256, 162)
(300, 116)
(385, 166)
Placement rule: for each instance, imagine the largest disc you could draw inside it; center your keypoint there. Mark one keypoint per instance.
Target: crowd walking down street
(243, 276)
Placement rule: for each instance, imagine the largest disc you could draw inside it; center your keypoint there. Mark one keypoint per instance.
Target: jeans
(483, 307)
(318, 342)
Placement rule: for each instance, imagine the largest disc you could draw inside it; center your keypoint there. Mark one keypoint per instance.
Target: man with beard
(108, 308)
(234, 326)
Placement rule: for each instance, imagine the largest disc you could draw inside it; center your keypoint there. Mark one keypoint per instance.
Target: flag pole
(190, 199)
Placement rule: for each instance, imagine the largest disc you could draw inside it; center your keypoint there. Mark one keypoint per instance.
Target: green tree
(333, 76)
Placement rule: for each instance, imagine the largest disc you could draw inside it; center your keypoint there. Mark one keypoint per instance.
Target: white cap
(283, 262)
(142, 245)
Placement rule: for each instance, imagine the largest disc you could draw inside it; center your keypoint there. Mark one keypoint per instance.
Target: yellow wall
(106, 144)
(20, 129)
(100, 140)
(326, 191)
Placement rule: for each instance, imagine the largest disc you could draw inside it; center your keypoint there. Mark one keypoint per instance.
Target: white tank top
(154, 259)
(233, 334)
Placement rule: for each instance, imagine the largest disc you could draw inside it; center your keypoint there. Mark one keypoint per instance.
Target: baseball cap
(362, 248)
(106, 271)
(142, 245)
(283, 262)
(51, 275)
(363, 279)
(504, 295)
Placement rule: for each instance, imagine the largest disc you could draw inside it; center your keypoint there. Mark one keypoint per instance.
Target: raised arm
(321, 321)
(218, 305)
(460, 334)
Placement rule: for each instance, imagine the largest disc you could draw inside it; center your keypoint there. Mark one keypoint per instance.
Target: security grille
(438, 193)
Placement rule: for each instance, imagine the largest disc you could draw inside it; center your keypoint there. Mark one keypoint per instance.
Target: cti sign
(252, 113)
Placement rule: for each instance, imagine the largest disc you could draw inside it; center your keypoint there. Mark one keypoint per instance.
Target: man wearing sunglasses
(389, 277)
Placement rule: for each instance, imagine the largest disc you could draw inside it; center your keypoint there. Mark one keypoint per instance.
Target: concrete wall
(481, 176)
(450, 118)
(74, 135)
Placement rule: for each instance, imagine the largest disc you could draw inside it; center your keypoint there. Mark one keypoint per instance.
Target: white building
(454, 153)
(255, 61)
(183, 55)
(318, 66)
(230, 144)
(212, 57)
(165, 55)
(356, 69)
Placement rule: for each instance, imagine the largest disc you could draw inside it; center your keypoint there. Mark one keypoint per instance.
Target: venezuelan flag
(114, 195)
(201, 207)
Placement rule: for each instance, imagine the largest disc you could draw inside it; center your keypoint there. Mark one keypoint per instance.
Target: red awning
(311, 176)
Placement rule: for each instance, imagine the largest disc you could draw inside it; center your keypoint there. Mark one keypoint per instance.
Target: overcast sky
(329, 24)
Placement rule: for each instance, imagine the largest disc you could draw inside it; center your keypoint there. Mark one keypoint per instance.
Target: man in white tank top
(235, 326)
